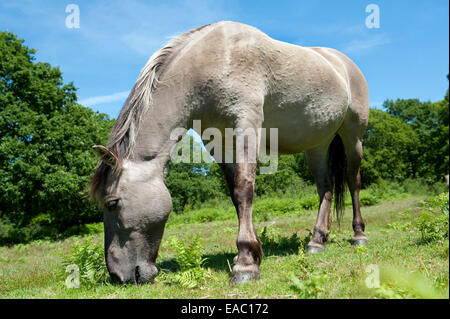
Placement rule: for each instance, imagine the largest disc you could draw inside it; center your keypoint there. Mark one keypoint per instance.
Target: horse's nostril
(137, 274)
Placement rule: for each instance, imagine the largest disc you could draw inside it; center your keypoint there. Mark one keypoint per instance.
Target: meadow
(408, 249)
(48, 223)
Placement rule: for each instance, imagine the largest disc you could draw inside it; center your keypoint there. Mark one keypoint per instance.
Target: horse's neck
(153, 138)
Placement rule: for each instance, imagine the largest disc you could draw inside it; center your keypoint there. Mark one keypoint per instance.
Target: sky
(405, 56)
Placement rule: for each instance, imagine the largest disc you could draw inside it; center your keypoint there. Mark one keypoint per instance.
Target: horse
(229, 75)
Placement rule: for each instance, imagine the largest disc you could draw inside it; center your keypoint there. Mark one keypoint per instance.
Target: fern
(88, 255)
(189, 258)
(191, 278)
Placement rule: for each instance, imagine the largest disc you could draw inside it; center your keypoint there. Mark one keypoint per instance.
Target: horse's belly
(302, 125)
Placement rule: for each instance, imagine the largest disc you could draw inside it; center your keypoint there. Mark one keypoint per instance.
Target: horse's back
(359, 91)
(236, 68)
(308, 97)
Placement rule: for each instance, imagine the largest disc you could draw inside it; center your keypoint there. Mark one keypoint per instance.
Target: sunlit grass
(36, 270)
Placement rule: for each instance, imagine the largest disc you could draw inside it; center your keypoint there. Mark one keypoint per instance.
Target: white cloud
(141, 28)
(96, 100)
(365, 45)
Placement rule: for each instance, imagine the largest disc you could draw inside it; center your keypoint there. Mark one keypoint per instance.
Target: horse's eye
(112, 204)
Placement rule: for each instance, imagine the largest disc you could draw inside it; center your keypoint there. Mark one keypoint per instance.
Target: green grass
(36, 270)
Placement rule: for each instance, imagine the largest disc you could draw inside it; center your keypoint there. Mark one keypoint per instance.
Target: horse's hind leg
(318, 163)
(353, 151)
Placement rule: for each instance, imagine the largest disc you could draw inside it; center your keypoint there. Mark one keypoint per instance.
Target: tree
(194, 183)
(389, 145)
(442, 136)
(46, 158)
(429, 158)
(289, 176)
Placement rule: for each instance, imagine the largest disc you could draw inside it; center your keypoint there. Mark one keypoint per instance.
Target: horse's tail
(337, 166)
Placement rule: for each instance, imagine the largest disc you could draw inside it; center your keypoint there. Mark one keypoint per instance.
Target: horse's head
(136, 205)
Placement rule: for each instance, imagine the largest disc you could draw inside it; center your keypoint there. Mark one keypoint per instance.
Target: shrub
(278, 245)
(87, 229)
(400, 226)
(310, 202)
(8, 233)
(432, 227)
(38, 228)
(266, 208)
(433, 223)
(419, 186)
(367, 199)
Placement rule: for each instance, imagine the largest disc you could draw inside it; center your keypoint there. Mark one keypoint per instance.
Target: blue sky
(407, 57)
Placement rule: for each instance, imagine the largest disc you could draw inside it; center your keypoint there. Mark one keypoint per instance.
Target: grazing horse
(228, 75)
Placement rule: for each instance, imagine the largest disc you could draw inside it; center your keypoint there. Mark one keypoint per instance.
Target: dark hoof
(243, 276)
(315, 248)
(360, 241)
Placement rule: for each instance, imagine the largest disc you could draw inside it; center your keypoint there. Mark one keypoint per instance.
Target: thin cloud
(96, 100)
(365, 45)
(141, 28)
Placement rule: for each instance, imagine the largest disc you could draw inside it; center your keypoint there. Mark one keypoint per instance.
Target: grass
(36, 270)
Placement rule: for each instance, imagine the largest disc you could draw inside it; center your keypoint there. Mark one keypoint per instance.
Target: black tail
(337, 166)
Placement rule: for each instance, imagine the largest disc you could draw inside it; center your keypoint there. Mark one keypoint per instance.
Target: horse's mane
(123, 135)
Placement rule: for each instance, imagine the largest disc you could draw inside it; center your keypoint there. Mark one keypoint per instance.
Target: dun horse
(229, 75)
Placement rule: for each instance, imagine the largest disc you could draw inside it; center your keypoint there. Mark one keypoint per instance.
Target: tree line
(46, 160)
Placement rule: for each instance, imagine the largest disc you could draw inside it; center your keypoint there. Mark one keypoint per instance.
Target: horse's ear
(106, 155)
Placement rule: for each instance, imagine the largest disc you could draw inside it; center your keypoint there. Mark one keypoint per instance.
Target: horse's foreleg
(318, 163)
(241, 180)
(249, 247)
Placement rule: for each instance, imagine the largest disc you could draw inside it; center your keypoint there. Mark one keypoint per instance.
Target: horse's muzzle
(141, 274)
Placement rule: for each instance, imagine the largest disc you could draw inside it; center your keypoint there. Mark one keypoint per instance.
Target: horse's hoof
(244, 273)
(359, 241)
(315, 248)
(243, 277)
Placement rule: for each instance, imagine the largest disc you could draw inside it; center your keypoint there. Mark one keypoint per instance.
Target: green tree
(194, 183)
(442, 136)
(429, 158)
(388, 144)
(288, 176)
(45, 147)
